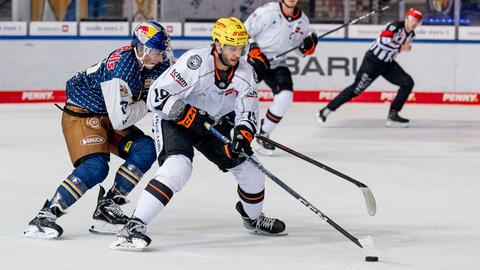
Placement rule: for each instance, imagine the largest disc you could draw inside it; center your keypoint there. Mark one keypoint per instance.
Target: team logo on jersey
(93, 123)
(194, 62)
(147, 83)
(178, 78)
(222, 85)
(123, 91)
(113, 59)
(252, 94)
(231, 91)
(92, 140)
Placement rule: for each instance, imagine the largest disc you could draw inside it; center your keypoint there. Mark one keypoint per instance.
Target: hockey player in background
(380, 61)
(103, 104)
(275, 28)
(212, 85)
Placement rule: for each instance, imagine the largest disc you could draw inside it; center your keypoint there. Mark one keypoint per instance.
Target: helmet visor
(235, 49)
(157, 54)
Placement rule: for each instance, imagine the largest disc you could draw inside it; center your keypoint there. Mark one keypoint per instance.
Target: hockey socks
(127, 177)
(277, 110)
(152, 200)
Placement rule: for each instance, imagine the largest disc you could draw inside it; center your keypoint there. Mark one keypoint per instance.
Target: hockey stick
(367, 193)
(353, 21)
(361, 243)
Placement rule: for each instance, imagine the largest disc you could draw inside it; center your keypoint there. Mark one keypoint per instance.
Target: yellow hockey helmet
(230, 31)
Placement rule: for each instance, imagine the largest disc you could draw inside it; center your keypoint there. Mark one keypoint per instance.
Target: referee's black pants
(370, 69)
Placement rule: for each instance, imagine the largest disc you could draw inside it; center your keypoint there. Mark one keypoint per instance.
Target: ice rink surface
(425, 179)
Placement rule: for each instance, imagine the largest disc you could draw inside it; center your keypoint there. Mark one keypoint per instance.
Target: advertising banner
(13, 28)
(104, 29)
(53, 28)
(321, 29)
(442, 72)
(469, 33)
(198, 29)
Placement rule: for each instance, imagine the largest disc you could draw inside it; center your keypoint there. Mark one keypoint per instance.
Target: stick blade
(369, 201)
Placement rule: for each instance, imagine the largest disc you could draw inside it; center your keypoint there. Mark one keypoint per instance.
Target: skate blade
(259, 232)
(392, 124)
(105, 228)
(123, 244)
(33, 231)
(265, 152)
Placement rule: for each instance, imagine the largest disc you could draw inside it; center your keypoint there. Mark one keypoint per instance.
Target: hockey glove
(259, 61)
(194, 119)
(242, 138)
(309, 44)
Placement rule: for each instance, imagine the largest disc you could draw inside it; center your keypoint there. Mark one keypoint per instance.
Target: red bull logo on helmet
(147, 30)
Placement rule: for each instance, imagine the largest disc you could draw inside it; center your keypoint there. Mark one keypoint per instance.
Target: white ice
(425, 179)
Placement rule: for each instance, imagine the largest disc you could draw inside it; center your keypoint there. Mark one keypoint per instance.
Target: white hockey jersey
(194, 79)
(276, 32)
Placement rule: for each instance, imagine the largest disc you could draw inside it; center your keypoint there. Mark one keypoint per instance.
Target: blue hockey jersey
(114, 84)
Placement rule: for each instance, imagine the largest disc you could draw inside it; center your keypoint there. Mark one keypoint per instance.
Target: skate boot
(108, 217)
(321, 116)
(43, 225)
(132, 236)
(263, 147)
(262, 225)
(395, 120)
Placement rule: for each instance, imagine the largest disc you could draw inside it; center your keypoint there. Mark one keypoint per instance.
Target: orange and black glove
(242, 138)
(259, 61)
(309, 44)
(194, 119)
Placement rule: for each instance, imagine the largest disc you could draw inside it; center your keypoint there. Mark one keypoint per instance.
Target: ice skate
(396, 121)
(321, 116)
(43, 225)
(132, 236)
(263, 147)
(262, 225)
(108, 217)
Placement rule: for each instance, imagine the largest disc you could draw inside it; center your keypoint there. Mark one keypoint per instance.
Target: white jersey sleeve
(258, 22)
(169, 89)
(122, 110)
(246, 103)
(275, 32)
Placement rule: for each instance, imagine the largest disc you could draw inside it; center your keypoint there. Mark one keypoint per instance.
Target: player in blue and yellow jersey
(103, 104)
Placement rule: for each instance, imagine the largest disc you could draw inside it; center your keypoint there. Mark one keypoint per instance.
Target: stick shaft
(353, 21)
(287, 188)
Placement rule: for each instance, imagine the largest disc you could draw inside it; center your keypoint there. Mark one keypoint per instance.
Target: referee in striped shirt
(380, 61)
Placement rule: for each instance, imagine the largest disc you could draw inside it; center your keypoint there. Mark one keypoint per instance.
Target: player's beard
(283, 2)
(232, 63)
(229, 62)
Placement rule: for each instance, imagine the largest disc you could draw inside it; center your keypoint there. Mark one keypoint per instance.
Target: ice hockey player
(275, 28)
(215, 85)
(103, 104)
(380, 61)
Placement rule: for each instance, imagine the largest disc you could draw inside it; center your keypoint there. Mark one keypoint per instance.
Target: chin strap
(140, 58)
(146, 50)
